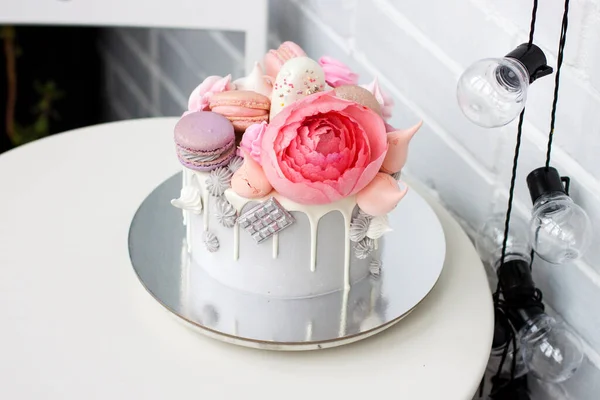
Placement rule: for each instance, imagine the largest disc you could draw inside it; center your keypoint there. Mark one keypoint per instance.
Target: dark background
(65, 58)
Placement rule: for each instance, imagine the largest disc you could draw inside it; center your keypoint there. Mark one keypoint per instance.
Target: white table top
(75, 323)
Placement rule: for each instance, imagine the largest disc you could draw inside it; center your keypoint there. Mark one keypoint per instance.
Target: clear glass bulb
(550, 351)
(560, 230)
(492, 92)
(496, 357)
(491, 235)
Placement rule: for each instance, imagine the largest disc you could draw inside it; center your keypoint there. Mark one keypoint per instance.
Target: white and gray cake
(248, 245)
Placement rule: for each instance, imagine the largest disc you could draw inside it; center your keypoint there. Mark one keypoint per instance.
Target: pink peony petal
(321, 149)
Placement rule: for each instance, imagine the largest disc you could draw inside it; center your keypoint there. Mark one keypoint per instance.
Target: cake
(288, 177)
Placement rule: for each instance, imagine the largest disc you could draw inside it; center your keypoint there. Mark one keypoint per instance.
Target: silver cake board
(412, 259)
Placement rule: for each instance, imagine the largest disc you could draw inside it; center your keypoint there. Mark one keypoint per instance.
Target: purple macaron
(204, 140)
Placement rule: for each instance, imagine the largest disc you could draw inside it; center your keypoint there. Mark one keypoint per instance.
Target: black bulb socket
(546, 180)
(518, 289)
(533, 59)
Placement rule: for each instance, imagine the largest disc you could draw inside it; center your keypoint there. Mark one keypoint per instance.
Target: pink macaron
(204, 140)
(274, 59)
(242, 107)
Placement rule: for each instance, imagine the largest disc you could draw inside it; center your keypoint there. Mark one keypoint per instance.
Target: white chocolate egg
(299, 77)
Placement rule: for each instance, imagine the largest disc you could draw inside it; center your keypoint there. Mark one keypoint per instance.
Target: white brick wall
(418, 48)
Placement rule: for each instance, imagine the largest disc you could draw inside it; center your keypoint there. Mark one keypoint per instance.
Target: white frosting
(275, 245)
(189, 202)
(254, 82)
(313, 256)
(378, 227)
(254, 317)
(314, 214)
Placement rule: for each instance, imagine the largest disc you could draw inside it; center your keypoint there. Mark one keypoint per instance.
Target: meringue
(397, 153)
(385, 101)
(256, 81)
(381, 195)
(250, 180)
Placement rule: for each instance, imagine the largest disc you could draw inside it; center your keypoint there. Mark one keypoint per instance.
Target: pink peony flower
(200, 96)
(337, 73)
(321, 149)
(385, 101)
(251, 140)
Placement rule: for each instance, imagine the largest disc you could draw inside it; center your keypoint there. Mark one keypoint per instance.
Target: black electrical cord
(498, 303)
(561, 48)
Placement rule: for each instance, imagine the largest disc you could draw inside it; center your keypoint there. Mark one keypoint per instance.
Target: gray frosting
(218, 181)
(198, 157)
(359, 227)
(236, 163)
(225, 213)
(363, 248)
(375, 267)
(210, 241)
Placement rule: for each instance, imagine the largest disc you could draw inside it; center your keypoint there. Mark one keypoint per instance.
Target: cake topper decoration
(363, 248)
(378, 227)
(275, 59)
(200, 96)
(358, 228)
(397, 153)
(265, 219)
(375, 267)
(189, 200)
(358, 94)
(385, 101)
(255, 82)
(337, 73)
(210, 241)
(242, 107)
(252, 139)
(218, 181)
(250, 181)
(298, 78)
(321, 149)
(235, 163)
(225, 213)
(381, 195)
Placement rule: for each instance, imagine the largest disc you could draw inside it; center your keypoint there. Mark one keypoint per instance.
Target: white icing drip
(184, 278)
(236, 242)
(376, 244)
(184, 175)
(347, 220)
(201, 180)
(344, 313)
(206, 196)
(314, 226)
(309, 331)
(188, 231)
(275, 245)
(313, 212)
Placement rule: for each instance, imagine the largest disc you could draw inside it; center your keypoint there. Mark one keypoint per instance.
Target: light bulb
(493, 91)
(560, 230)
(550, 351)
(491, 235)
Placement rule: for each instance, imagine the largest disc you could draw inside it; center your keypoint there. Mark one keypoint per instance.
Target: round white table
(75, 323)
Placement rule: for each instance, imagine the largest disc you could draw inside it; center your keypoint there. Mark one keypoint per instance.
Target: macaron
(242, 107)
(275, 59)
(204, 140)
